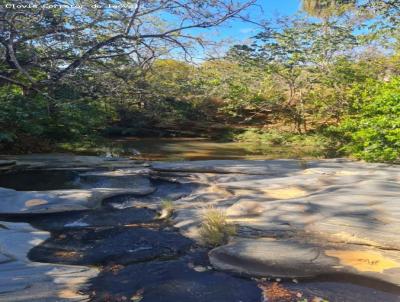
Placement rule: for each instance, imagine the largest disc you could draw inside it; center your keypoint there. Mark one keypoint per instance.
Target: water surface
(199, 149)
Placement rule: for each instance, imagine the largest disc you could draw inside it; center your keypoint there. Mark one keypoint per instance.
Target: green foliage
(88, 146)
(372, 130)
(300, 145)
(36, 118)
(76, 68)
(21, 115)
(271, 137)
(301, 76)
(279, 137)
(83, 117)
(299, 56)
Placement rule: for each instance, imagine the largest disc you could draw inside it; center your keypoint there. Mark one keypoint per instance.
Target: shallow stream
(197, 149)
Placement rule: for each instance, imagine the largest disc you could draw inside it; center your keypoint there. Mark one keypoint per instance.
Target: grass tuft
(215, 229)
(167, 208)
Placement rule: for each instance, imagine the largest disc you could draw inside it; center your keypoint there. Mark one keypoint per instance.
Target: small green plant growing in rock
(167, 208)
(215, 229)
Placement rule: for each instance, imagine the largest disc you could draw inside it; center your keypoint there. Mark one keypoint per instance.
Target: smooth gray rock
(5, 163)
(251, 167)
(297, 259)
(15, 202)
(67, 161)
(332, 200)
(348, 207)
(269, 258)
(326, 216)
(22, 280)
(5, 258)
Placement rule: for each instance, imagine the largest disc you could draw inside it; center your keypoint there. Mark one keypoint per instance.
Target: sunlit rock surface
(256, 167)
(24, 280)
(337, 214)
(16, 202)
(294, 219)
(42, 186)
(298, 259)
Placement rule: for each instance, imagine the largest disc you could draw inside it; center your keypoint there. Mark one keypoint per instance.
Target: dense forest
(328, 75)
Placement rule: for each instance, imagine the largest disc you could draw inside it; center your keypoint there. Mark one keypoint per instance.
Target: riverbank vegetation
(326, 77)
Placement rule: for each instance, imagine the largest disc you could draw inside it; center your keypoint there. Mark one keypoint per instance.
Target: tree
(389, 10)
(299, 54)
(43, 45)
(62, 58)
(245, 93)
(326, 8)
(372, 130)
(384, 17)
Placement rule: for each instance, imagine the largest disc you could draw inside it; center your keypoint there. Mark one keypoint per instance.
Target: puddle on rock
(364, 261)
(40, 180)
(46, 180)
(102, 218)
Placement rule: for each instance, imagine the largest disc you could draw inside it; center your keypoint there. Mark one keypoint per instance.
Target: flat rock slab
(171, 281)
(122, 245)
(335, 217)
(14, 202)
(339, 214)
(165, 190)
(6, 165)
(342, 216)
(294, 259)
(251, 167)
(5, 258)
(115, 173)
(67, 161)
(22, 280)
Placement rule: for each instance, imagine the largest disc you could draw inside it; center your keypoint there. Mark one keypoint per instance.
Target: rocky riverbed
(81, 228)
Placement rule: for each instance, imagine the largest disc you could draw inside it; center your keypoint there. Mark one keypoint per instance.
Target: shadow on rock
(171, 281)
(94, 219)
(119, 245)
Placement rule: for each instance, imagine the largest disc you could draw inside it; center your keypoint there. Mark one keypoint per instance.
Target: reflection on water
(198, 149)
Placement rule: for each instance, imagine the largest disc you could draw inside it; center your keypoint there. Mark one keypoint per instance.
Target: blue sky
(265, 9)
(237, 31)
